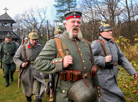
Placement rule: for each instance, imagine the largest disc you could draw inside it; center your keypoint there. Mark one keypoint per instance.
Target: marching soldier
(7, 51)
(108, 57)
(57, 32)
(32, 81)
(25, 40)
(75, 61)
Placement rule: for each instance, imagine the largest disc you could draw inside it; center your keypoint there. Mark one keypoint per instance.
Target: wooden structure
(6, 26)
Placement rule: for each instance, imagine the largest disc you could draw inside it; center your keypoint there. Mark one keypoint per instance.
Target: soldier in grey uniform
(108, 65)
(7, 51)
(32, 81)
(79, 59)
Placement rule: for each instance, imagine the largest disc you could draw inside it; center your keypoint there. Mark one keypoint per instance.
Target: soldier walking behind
(108, 57)
(7, 51)
(71, 68)
(32, 81)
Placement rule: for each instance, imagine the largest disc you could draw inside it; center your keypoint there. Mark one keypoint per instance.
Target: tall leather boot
(28, 99)
(38, 100)
(11, 77)
(7, 80)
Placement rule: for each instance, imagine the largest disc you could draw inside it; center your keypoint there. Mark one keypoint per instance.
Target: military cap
(72, 14)
(57, 31)
(33, 35)
(8, 35)
(104, 28)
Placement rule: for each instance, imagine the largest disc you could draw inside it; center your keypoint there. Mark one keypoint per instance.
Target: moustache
(75, 28)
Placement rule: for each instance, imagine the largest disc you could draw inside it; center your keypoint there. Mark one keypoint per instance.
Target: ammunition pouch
(119, 62)
(70, 75)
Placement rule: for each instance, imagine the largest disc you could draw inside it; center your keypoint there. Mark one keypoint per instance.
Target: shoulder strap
(25, 55)
(103, 47)
(90, 50)
(59, 48)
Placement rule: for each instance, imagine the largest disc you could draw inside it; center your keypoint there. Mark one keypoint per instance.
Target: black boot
(11, 77)
(38, 100)
(28, 99)
(7, 80)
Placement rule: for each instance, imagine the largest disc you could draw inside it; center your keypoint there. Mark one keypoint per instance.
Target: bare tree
(32, 19)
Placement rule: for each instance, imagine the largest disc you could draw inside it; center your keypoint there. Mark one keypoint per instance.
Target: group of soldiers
(82, 71)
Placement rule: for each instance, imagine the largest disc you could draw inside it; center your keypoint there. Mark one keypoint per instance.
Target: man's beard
(71, 32)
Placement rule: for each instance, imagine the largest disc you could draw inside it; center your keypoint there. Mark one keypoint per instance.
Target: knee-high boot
(11, 77)
(38, 100)
(7, 80)
(28, 99)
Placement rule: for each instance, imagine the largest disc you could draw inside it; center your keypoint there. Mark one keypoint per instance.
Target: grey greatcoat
(29, 72)
(110, 92)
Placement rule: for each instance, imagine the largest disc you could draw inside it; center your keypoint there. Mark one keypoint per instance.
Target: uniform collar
(29, 45)
(66, 34)
(104, 40)
(8, 42)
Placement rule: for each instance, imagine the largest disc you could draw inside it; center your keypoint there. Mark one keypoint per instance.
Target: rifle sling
(104, 48)
(25, 55)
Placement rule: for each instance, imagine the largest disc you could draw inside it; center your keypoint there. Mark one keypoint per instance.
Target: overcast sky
(18, 6)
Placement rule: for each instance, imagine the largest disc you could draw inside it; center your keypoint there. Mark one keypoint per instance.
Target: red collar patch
(29, 46)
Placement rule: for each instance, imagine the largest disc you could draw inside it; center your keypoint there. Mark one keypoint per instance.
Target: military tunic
(110, 92)
(48, 63)
(8, 50)
(30, 75)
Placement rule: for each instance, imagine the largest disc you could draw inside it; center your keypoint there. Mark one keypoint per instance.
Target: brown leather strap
(25, 55)
(104, 48)
(92, 61)
(59, 47)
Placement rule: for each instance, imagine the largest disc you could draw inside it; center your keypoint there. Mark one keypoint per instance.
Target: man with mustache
(77, 60)
(108, 57)
(32, 81)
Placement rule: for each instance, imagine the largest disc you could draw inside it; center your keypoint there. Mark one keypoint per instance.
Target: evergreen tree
(63, 6)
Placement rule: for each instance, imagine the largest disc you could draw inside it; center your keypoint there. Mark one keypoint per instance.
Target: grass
(15, 94)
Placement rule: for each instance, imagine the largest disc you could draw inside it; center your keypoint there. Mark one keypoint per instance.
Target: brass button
(84, 67)
(63, 91)
(79, 49)
(81, 54)
(83, 61)
(77, 43)
(98, 87)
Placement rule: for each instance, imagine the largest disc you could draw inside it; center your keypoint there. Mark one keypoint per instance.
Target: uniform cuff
(58, 64)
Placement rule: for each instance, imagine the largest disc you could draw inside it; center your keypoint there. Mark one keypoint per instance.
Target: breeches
(9, 68)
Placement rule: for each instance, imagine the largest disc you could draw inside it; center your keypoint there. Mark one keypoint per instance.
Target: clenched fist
(67, 61)
(108, 58)
(24, 64)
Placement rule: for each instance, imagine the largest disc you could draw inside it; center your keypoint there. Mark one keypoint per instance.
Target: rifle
(51, 79)
(25, 59)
